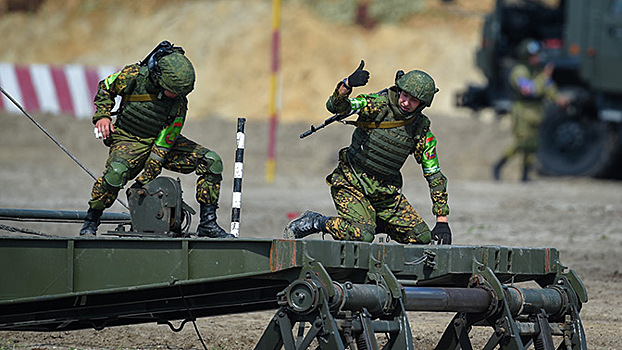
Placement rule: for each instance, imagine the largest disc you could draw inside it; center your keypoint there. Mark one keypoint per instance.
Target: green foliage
(383, 11)
(29, 6)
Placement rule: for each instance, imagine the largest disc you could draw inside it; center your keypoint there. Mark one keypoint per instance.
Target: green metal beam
(135, 280)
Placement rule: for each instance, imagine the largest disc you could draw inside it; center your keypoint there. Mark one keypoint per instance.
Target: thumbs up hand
(359, 77)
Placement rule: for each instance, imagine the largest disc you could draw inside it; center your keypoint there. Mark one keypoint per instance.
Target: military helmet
(176, 73)
(527, 48)
(417, 84)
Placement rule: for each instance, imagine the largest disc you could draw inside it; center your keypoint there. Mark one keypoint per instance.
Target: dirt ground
(581, 217)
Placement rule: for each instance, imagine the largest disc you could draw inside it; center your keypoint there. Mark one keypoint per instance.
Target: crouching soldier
(146, 136)
(366, 186)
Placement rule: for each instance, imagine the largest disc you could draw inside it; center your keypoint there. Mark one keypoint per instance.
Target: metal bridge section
(340, 294)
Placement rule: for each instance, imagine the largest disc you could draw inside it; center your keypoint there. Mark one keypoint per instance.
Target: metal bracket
(340, 320)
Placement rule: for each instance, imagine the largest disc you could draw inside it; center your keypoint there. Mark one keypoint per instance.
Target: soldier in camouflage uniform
(532, 85)
(146, 135)
(366, 186)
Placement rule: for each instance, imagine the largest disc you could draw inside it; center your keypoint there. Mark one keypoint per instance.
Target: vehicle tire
(571, 146)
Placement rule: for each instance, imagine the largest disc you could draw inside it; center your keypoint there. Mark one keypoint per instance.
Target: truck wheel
(576, 146)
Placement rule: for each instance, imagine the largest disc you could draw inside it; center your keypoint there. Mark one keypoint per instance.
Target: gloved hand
(441, 233)
(360, 77)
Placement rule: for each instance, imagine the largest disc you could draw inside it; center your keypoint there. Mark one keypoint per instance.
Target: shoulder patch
(110, 79)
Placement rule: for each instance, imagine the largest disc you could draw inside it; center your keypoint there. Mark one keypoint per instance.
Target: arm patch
(169, 134)
(429, 159)
(110, 79)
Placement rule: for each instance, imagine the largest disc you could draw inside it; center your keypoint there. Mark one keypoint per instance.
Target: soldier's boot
(91, 222)
(525, 176)
(308, 223)
(208, 227)
(496, 169)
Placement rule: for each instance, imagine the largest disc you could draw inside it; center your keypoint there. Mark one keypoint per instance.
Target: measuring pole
(238, 171)
(274, 91)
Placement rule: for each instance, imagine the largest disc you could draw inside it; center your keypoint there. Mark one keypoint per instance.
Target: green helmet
(176, 73)
(527, 48)
(417, 84)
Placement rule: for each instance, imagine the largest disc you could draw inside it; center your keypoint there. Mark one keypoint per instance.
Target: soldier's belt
(380, 125)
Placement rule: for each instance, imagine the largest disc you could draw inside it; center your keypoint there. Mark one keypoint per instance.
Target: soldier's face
(408, 103)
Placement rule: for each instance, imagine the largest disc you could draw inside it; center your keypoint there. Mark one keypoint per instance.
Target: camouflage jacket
(371, 107)
(119, 84)
(530, 83)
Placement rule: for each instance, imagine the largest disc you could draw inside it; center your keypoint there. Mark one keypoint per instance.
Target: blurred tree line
(365, 12)
(19, 5)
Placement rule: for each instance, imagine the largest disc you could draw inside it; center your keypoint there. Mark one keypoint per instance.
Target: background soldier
(146, 135)
(366, 186)
(532, 84)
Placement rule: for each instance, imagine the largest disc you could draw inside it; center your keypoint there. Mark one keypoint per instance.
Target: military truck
(583, 39)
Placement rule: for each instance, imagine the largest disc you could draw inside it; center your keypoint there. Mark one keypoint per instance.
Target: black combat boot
(91, 222)
(208, 227)
(526, 170)
(308, 223)
(496, 169)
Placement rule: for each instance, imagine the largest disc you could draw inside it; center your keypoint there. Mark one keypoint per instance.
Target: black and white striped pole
(238, 171)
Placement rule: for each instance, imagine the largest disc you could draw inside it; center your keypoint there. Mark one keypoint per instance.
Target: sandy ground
(228, 41)
(579, 216)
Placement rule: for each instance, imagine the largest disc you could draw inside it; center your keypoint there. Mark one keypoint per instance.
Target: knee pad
(116, 174)
(210, 163)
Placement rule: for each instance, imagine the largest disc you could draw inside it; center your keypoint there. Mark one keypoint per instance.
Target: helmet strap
(413, 113)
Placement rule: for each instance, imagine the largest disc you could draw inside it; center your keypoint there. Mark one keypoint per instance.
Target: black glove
(360, 77)
(441, 233)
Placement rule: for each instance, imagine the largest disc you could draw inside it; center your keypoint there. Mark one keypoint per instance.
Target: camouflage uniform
(368, 197)
(528, 108)
(149, 153)
(531, 86)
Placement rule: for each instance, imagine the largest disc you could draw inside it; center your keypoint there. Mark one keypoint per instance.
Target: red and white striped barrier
(67, 89)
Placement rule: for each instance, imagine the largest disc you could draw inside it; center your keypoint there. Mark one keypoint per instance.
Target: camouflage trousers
(184, 157)
(367, 205)
(526, 118)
